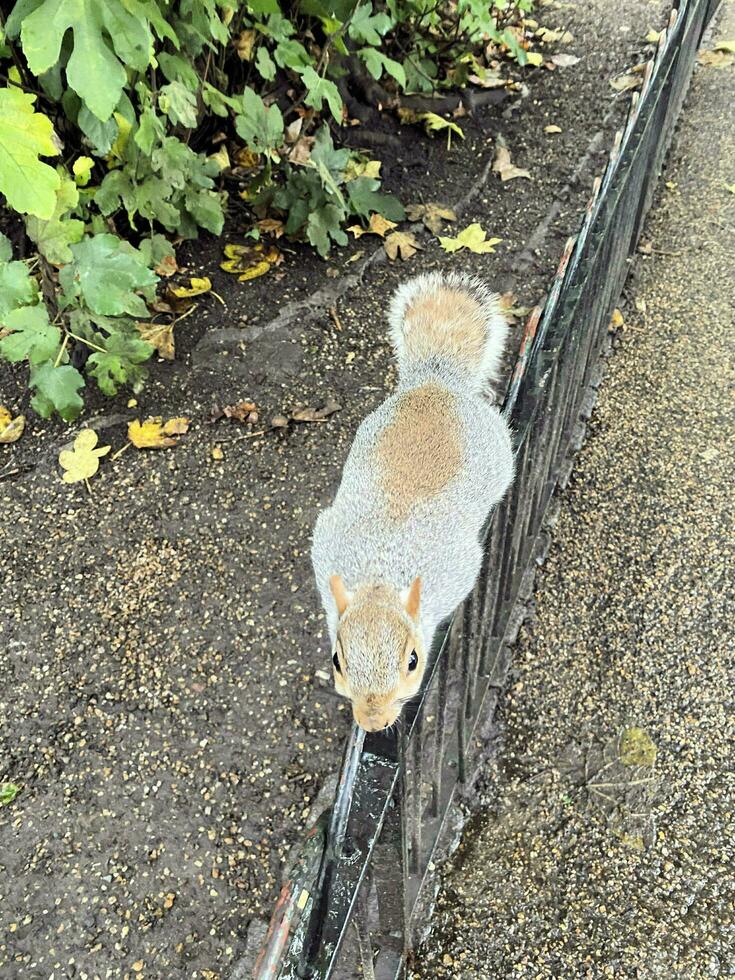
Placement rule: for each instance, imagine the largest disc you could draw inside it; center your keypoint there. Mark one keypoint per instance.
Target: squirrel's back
(427, 466)
(450, 326)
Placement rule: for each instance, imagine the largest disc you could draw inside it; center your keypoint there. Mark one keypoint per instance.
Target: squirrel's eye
(335, 661)
(413, 661)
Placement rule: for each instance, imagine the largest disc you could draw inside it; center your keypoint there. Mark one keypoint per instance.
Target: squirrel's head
(378, 658)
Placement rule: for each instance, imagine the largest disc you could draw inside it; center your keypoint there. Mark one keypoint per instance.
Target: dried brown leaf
(315, 414)
(502, 165)
(160, 336)
(401, 243)
(431, 214)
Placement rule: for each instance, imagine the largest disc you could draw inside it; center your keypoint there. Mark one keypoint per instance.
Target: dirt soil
(164, 690)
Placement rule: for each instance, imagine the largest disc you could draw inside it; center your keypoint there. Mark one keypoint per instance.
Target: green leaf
(330, 163)
(31, 335)
(53, 237)
(176, 68)
(82, 170)
(368, 28)
(101, 135)
(105, 275)
(106, 37)
(217, 101)
(323, 224)
(260, 126)
(292, 54)
(376, 62)
(56, 390)
(265, 64)
(17, 287)
(150, 131)
(28, 184)
(365, 199)
(263, 7)
(155, 249)
(179, 104)
(8, 792)
(119, 364)
(320, 89)
(6, 249)
(205, 207)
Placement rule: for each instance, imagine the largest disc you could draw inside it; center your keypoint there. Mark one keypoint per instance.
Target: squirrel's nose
(373, 721)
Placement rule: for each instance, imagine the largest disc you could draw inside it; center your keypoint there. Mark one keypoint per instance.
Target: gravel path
(605, 845)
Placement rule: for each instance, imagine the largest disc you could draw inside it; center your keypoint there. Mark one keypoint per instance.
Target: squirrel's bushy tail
(448, 324)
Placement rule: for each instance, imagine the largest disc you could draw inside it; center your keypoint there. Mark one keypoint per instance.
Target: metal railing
(348, 907)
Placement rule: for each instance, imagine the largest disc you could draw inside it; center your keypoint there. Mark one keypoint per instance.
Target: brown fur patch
(420, 452)
(448, 321)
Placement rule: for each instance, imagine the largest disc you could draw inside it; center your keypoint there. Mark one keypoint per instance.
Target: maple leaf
(378, 225)
(83, 461)
(154, 433)
(431, 214)
(472, 238)
(400, 243)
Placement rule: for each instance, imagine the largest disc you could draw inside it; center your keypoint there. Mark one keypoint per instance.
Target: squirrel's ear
(412, 597)
(341, 596)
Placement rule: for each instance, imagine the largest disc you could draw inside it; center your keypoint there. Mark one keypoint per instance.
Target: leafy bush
(108, 108)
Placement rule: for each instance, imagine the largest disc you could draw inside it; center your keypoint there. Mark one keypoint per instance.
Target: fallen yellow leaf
(83, 461)
(244, 45)
(221, 158)
(154, 433)
(362, 168)
(534, 58)
(217, 453)
(196, 288)
(552, 129)
(400, 243)
(435, 123)
(637, 748)
(472, 238)
(378, 225)
(715, 59)
(550, 36)
(247, 159)
(617, 322)
(250, 261)
(11, 429)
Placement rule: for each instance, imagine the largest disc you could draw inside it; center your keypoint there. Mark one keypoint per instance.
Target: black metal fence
(348, 908)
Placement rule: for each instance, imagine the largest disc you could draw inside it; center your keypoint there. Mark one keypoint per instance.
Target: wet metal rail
(347, 909)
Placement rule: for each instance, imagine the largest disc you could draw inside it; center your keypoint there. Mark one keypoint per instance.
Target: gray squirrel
(399, 548)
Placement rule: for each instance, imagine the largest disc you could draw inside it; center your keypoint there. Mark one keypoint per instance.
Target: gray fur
(358, 540)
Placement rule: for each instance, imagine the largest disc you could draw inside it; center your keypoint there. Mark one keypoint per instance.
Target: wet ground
(604, 846)
(163, 702)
